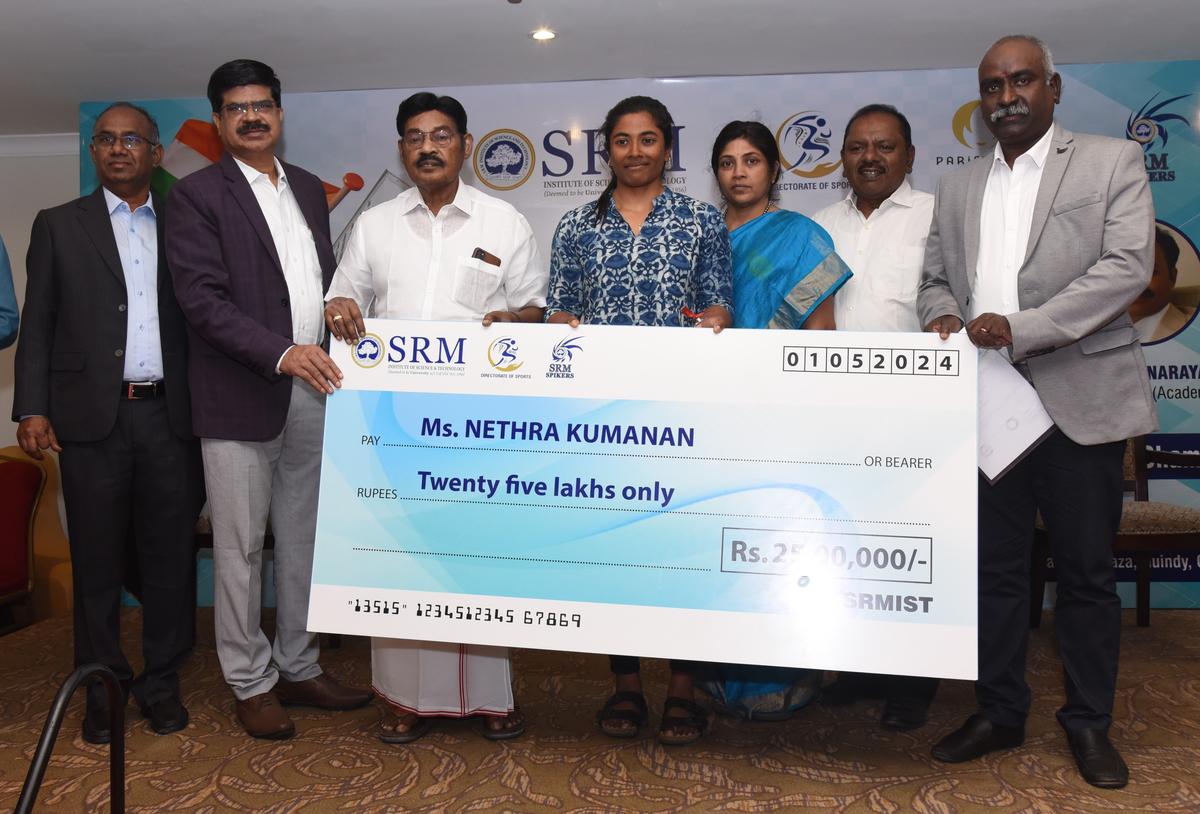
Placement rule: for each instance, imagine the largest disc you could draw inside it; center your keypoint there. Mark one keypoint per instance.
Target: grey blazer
(1090, 253)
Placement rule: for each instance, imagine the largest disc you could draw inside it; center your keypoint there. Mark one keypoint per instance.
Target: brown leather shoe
(320, 691)
(263, 717)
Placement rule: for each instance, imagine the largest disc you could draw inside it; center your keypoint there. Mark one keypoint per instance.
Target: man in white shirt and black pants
(879, 229)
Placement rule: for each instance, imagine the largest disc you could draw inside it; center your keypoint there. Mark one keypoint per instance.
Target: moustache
(250, 127)
(1015, 109)
(430, 158)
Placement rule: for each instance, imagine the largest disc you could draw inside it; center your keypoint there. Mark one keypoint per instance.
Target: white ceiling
(56, 53)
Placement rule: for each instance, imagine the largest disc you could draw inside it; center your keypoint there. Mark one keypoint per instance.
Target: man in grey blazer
(1039, 248)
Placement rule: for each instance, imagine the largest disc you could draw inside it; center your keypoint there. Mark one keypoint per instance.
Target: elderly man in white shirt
(879, 229)
(442, 250)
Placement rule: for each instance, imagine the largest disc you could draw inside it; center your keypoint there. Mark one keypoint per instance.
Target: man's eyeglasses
(442, 137)
(131, 141)
(242, 108)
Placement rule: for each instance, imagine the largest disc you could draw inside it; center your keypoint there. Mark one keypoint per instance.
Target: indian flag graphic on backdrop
(196, 145)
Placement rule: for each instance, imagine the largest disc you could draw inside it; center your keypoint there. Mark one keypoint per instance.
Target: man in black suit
(101, 379)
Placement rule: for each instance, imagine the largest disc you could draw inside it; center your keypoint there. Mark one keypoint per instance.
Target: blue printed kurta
(606, 275)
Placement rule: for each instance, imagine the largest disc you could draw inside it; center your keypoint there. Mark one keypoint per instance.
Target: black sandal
(610, 715)
(696, 720)
(511, 726)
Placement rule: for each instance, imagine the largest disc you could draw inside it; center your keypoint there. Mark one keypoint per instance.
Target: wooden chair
(22, 483)
(1147, 527)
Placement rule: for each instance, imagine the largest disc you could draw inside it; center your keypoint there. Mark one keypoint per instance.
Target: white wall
(29, 182)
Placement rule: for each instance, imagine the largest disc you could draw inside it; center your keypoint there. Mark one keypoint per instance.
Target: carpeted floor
(824, 759)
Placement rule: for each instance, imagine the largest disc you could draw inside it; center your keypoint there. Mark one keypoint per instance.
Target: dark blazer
(233, 293)
(71, 353)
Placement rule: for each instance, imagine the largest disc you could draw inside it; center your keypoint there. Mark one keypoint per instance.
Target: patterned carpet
(835, 760)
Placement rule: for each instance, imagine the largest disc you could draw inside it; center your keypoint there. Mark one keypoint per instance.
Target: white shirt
(1004, 222)
(885, 252)
(414, 265)
(297, 251)
(136, 233)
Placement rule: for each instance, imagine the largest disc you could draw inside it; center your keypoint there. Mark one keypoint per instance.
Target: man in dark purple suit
(249, 250)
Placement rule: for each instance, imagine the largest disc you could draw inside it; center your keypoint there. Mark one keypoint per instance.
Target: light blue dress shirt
(136, 233)
(8, 301)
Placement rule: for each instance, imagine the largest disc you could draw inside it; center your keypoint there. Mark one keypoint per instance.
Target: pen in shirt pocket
(485, 256)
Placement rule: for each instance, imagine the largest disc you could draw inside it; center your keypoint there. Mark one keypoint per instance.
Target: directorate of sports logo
(502, 354)
(968, 127)
(504, 159)
(368, 351)
(803, 141)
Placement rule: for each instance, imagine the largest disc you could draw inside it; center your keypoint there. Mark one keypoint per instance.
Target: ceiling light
(543, 34)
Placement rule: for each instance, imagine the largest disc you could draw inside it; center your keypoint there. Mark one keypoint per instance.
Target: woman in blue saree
(785, 274)
(785, 271)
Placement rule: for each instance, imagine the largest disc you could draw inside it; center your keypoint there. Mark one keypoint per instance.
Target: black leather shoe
(902, 714)
(166, 716)
(976, 738)
(1097, 759)
(95, 724)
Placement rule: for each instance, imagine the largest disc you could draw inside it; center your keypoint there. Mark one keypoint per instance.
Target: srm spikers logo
(562, 356)
(1148, 127)
(502, 355)
(803, 141)
(504, 159)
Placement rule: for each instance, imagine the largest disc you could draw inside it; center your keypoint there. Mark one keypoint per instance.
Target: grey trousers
(248, 482)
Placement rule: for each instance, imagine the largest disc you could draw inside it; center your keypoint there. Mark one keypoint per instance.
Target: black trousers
(1078, 490)
(134, 495)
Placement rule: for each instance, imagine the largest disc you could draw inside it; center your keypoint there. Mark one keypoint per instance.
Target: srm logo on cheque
(425, 350)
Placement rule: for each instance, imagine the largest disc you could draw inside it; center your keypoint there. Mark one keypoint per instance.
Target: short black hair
(424, 102)
(238, 73)
(145, 114)
(1166, 242)
(905, 127)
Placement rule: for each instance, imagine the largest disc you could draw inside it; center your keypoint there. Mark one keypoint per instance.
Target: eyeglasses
(131, 141)
(442, 137)
(242, 108)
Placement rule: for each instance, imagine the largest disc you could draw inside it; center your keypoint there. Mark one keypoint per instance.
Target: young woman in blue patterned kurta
(642, 255)
(604, 274)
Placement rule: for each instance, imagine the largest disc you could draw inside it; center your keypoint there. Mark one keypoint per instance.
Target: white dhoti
(438, 679)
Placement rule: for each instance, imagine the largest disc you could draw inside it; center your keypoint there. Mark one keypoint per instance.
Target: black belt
(136, 391)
